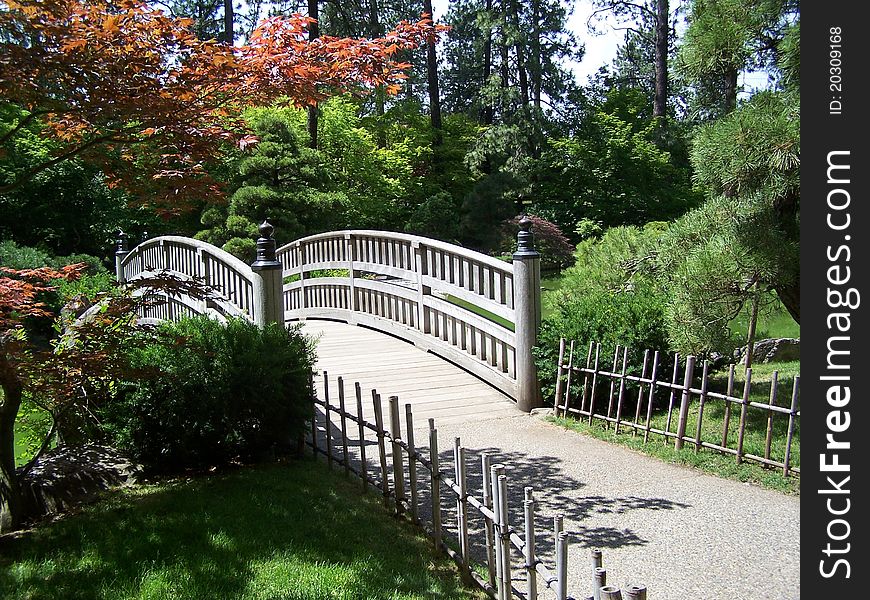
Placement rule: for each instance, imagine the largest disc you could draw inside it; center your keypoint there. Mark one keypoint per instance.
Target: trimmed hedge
(210, 393)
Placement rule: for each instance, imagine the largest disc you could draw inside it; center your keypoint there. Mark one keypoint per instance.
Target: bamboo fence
(631, 398)
(509, 555)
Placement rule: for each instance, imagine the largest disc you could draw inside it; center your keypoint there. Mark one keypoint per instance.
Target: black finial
(266, 247)
(525, 238)
(121, 243)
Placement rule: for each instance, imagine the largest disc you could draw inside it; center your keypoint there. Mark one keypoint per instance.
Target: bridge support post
(120, 252)
(527, 307)
(268, 281)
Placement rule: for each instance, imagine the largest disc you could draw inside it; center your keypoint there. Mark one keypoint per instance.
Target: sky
(601, 49)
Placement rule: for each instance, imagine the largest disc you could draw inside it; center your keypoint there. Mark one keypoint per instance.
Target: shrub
(556, 251)
(631, 318)
(211, 393)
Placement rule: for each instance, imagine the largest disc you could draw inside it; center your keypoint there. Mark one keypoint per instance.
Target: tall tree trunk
(432, 80)
(486, 113)
(521, 60)
(660, 102)
(375, 31)
(229, 17)
(313, 111)
(536, 63)
(10, 493)
(790, 296)
(731, 90)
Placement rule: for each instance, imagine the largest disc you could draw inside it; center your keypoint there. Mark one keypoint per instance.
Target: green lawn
(294, 531)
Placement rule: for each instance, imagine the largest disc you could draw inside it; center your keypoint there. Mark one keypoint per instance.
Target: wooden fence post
(635, 592)
(435, 483)
(398, 469)
(531, 574)
(729, 392)
(594, 382)
(504, 531)
(328, 424)
(568, 382)
(599, 581)
(496, 471)
(382, 447)
(640, 392)
(774, 381)
(612, 383)
(461, 502)
(652, 395)
(562, 566)
(527, 308)
(412, 461)
(268, 280)
(585, 395)
(313, 416)
(672, 393)
(701, 400)
(684, 402)
(791, 420)
(744, 405)
(362, 437)
(343, 415)
(560, 383)
(621, 396)
(485, 460)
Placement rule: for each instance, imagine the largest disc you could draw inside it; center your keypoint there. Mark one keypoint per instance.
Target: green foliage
(611, 174)
(555, 249)
(603, 298)
(211, 392)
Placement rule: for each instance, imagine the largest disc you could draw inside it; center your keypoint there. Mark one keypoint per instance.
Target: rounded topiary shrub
(209, 393)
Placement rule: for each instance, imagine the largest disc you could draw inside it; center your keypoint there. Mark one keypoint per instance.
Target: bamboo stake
(495, 471)
(640, 392)
(594, 382)
(612, 382)
(412, 461)
(559, 375)
(461, 501)
(328, 419)
(596, 560)
(672, 395)
(382, 447)
(743, 407)
(562, 566)
(621, 396)
(791, 421)
(313, 423)
(652, 393)
(599, 582)
(531, 574)
(568, 383)
(610, 592)
(774, 380)
(701, 400)
(343, 415)
(362, 437)
(586, 378)
(684, 402)
(504, 532)
(635, 592)
(435, 483)
(729, 393)
(488, 524)
(398, 469)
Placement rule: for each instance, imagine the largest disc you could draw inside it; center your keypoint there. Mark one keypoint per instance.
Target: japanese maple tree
(131, 89)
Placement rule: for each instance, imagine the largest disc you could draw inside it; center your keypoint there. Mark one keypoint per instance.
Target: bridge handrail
(234, 280)
(449, 299)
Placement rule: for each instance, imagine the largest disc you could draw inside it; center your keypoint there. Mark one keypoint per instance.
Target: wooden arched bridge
(446, 328)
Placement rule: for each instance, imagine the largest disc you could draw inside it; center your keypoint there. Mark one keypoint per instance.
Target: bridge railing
(236, 286)
(463, 305)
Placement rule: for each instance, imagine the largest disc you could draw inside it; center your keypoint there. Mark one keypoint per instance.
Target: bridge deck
(433, 386)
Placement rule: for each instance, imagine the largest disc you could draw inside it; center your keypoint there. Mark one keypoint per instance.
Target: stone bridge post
(268, 280)
(527, 308)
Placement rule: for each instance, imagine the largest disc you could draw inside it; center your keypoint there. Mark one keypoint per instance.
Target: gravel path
(681, 533)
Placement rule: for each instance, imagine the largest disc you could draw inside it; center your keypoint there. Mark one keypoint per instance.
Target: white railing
(450, 300)
(234, 282)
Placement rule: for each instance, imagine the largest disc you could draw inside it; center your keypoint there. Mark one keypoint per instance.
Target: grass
(709, 460)
(294, 531)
